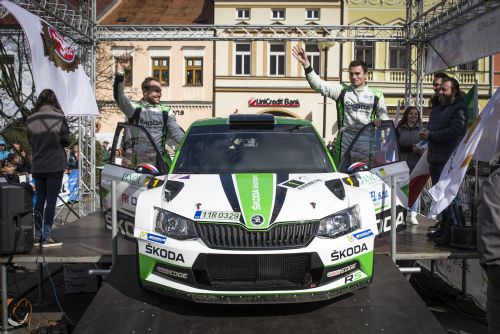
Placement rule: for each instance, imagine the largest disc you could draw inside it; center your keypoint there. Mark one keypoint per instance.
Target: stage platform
(84, 241)
(413, 244)
(388, 305)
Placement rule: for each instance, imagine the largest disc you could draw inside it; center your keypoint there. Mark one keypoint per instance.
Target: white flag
(453, 172)
(55, 64)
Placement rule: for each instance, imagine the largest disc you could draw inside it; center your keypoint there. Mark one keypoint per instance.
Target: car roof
(225, 121)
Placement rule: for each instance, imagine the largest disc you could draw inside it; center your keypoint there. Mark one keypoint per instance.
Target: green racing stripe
(256, 196)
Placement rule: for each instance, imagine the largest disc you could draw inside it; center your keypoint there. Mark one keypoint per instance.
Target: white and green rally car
(252, 209)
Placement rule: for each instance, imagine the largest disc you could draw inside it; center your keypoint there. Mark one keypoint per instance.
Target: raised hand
(300, 54)
(124, 61)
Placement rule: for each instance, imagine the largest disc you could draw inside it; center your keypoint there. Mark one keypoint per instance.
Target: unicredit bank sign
(272, 102)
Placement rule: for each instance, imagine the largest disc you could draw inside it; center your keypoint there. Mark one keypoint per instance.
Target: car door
(378, 148)
(133, 148)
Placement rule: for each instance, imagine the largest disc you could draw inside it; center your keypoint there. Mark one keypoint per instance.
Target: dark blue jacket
(447, 126)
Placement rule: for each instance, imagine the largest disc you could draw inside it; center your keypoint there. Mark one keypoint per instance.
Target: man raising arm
(157, 118)
(357, 104)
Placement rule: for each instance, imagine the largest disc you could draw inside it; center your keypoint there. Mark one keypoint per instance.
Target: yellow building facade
(387, 59)
(262, 76)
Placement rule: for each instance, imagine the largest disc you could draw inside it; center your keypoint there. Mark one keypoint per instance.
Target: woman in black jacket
(408, 131)
(48, 134)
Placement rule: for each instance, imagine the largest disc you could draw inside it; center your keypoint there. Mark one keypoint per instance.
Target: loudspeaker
(16, 218)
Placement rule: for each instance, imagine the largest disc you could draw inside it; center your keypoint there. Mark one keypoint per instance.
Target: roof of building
(159, 12)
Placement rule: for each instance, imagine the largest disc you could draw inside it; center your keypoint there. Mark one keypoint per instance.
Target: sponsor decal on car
(299, 183)
(132, 178)
(363, 234)
(226, 216)
(164, 253)
(156, 238)
(344, 253)
(353, 277)
(172, 273)
(342, 270)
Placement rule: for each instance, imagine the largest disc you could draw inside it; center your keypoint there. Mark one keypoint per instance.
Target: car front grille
(254, 271)
(280, 236)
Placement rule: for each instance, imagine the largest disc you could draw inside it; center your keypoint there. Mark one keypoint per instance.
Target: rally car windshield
(218, 149)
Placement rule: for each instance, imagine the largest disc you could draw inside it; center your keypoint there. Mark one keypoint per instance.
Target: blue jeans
(450, 215)
(46, 190)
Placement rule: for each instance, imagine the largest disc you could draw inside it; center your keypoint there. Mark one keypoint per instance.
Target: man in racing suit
(148, 112)
(357, 104)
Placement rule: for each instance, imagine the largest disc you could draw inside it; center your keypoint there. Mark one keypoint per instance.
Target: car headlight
(340, 223)
(174, 226)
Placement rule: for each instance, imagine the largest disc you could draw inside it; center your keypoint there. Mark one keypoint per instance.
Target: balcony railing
(398, 76)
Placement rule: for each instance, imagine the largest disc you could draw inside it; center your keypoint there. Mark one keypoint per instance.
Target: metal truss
(78, 25)
(414, 72)
(74, 23)
(341, 34)
(446, 16)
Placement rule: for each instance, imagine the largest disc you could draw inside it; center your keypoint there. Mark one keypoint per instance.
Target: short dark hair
(441, 75)
(358, 62)
(146, 84)
(454, 85)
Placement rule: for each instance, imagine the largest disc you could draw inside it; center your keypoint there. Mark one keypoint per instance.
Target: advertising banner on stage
(55, 64)
(474, 40)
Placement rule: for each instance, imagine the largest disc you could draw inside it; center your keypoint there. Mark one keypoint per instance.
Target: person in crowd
(20, 158)
(74, 156)
(8, 172)
(48, 134)
(4, 153)
(22, 164)
(357, 104)
(158, 119)
(105, 152)
(488, 245)
(408, 131)
(446, 127)
(436, 83)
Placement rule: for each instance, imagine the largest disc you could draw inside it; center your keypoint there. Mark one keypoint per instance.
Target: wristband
(308, 69)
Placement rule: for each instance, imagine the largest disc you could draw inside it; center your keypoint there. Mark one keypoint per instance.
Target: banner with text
(474, 40)
(55, 64)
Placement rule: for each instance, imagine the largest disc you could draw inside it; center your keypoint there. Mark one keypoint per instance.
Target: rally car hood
(256, 200)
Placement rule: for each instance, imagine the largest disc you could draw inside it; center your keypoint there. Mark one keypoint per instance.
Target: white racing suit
(158, 119)
(356, 107)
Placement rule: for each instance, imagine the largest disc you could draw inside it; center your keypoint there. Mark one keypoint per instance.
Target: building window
(468, 67)
(277, 59)
(194, 71)
(278, 14)
(242, 63)
(6, 66)
(314, 55)
(160, 70)
(397, 55)
(312, 14)
(243, 13)
(365, 51)
(127, 77)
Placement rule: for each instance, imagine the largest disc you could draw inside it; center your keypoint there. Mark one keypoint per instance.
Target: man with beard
(436, 83)
(447, 126)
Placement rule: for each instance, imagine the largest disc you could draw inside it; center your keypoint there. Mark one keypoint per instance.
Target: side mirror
(357, 167)
(147, 169)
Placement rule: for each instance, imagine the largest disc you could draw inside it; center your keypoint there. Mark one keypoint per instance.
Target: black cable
(44, 265)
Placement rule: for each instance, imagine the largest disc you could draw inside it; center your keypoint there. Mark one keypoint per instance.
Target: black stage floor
(388, 305)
